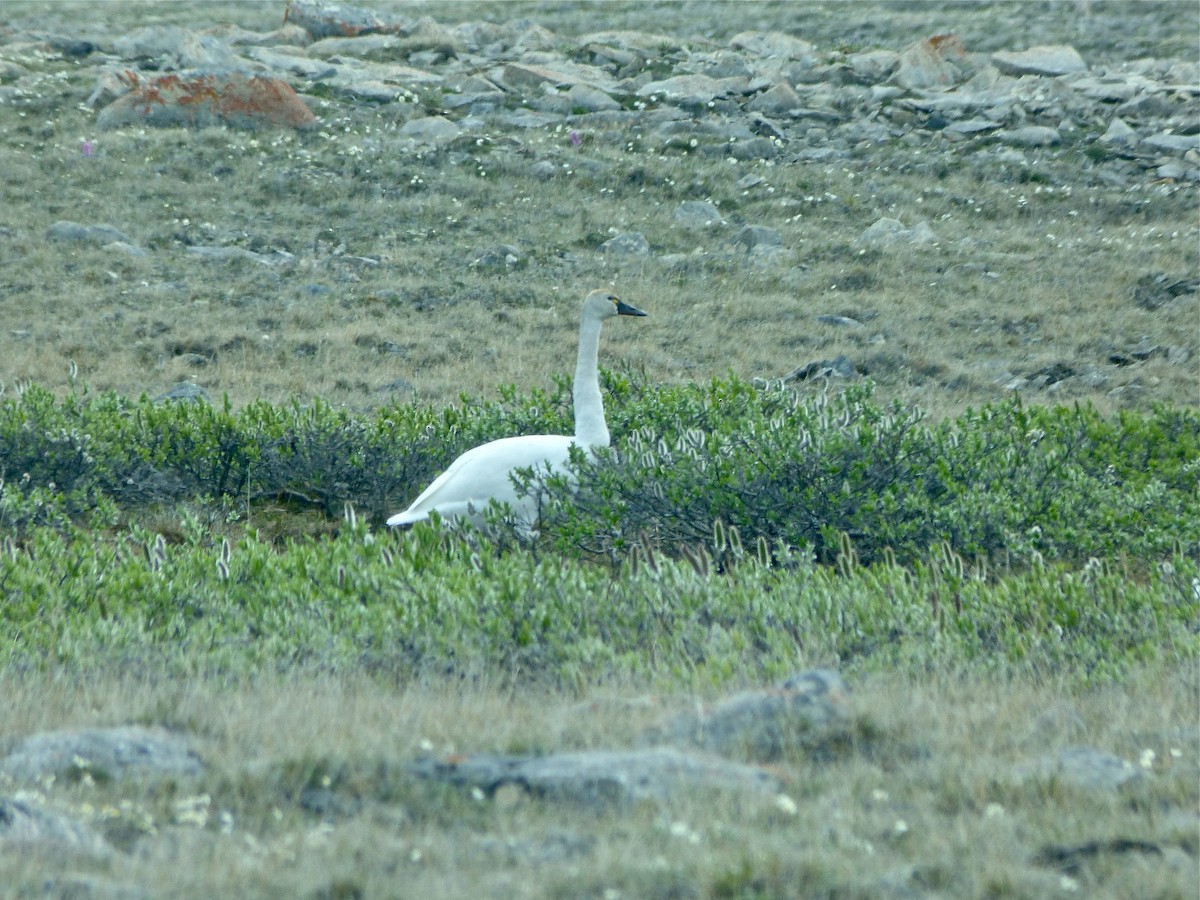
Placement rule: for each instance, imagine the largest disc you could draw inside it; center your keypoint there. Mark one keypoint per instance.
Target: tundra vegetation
(997, 575)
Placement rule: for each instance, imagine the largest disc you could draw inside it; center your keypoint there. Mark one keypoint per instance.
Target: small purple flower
(576, 140)
(87, 148)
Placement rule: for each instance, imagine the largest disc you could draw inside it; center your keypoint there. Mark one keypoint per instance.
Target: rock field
(1099, 104)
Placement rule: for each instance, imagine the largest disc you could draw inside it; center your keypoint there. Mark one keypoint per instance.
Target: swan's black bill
(624, 309)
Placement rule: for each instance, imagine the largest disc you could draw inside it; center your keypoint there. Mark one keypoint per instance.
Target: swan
(484, 474)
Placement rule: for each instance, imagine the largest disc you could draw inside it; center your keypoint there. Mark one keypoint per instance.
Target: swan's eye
(614, 299)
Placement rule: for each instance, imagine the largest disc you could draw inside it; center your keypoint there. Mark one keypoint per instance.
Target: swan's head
(605, 305)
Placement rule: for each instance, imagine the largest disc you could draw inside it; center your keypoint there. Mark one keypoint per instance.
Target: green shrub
(1003, 483)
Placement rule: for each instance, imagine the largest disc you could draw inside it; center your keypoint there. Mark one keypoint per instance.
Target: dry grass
(1035, 267)
(926, 802)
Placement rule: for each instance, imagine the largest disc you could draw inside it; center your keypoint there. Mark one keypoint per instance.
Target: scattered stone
(1083, 767)
(873, 66)
(562, 72)
(752, 236)
(1158, 289)
(889, 232)
(184, 391)
(773, 45)
(1110, 90)
(196, 101)
(590, 99)
(601, 777)
(628, 243)
(936, 62)
(688, 90)
(325, 19)
(498, 256)
(806, 710)
(838, 367)
(431, 130)
(970, 127)
(1118, 132)
(74, 233)
(697, 214)
(779, 100)
(1178, 143)
(108, 753)
(27, 825)
(1057, 59)
(170, 48)
(1145, 106)
(1031, 136)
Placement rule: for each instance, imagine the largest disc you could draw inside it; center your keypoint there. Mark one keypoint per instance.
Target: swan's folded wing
(482, 475)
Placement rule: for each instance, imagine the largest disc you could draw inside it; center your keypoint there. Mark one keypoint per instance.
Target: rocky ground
(955, 204)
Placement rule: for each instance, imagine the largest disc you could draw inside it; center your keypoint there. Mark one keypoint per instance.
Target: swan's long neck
(590, 428)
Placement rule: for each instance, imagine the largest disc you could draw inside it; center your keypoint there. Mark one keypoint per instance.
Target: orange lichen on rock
(237, 100)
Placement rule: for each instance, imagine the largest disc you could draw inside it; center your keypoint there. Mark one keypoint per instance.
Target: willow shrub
(1004, 482)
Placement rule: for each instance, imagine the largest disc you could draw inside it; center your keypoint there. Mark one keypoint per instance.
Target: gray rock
(1118, 132)
(1109, 90)
(430, 130)
(935, 62)
(362, 45)
(498, 256)
(751, 236)
(633, 40)
(887, 232)
(1056, 59)
(544, 170)
(777, 101)
(696, 214)
(873, 66)
(1083, 767)
(590, 99)
(1031, 136)
(804, 711)
(184, 390)
(602, 777)
(291, 63)
(537, 69)
(171, 47)
(838, 367)
(322, 18)
(1145, 106)
(628, 243)
(970, 127)
(113, 753)
(25, 824)
(690, 90)
(74, 233)
(773, 45)
(1178, 143)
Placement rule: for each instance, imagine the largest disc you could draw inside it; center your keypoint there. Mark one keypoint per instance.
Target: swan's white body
(484, 474)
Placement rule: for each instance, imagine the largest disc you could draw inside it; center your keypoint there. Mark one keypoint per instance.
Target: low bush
(1005, 483)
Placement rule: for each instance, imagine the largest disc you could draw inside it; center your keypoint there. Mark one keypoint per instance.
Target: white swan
(484, 473)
